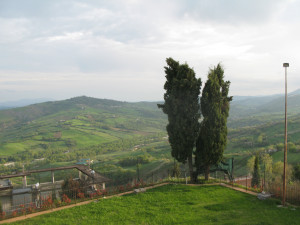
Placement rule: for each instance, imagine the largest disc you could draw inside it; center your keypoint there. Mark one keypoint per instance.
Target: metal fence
(38, 201)
(35, 201)
(292, 191)
(271, 187)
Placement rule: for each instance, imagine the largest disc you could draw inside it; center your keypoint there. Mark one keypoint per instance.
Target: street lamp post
(285, 65)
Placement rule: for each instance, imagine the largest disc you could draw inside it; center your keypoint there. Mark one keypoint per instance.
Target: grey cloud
(230, 11)
(131, 39)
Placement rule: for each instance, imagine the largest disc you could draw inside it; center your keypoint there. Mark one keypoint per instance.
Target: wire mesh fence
(292, 191)
(274, 188)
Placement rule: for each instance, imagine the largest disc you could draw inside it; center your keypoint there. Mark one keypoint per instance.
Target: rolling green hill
(109, 131)
(257, 124)
(75, 123)
(253, 111)
(59, 133)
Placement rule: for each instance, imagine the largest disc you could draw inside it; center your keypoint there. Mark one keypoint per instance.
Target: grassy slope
(85, 121)
(176, 204)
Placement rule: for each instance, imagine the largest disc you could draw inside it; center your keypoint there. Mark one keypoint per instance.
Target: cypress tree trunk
(190, 163)
(207, 172)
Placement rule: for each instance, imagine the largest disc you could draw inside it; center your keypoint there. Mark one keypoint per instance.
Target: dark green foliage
(71, 187)
(132, 160)
(255, 182)
(215, 110)
(291, 147)
(183, 109)
(296, 172)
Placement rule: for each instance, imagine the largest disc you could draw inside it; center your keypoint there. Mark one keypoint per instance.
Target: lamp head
(286, 64)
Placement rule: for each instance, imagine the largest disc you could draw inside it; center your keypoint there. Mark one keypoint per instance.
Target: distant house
(272, 150)
(9, 164)
(38, 160)
(5, 184)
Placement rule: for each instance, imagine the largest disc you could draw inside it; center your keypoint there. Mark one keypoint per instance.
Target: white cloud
(122, 46)
(13, 30)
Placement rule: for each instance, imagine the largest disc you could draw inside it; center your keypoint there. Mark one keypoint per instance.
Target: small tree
(277, 174)
(176, 170)
(296, 172)
(256, 173)
(250, 164)
(267, 162)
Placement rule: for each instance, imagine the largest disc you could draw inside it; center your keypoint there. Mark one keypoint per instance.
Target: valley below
(121, 138)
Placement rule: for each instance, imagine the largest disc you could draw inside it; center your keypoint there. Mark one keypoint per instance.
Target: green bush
(296, 172)
(133, 160)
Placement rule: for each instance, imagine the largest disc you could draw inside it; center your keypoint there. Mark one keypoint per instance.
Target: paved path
(15, 219)
(228, 186)
(239, 189)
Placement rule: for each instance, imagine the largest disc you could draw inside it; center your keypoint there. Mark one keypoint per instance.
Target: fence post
(152, 178)
(246, 183)
(24, 206)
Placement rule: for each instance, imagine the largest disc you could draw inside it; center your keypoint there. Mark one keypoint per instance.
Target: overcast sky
(116, 49)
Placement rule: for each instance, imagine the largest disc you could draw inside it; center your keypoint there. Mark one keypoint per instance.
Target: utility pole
(264, 176)
(138, 169)
(285, 65)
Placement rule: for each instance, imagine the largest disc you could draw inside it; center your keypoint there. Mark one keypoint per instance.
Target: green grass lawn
(176, 204)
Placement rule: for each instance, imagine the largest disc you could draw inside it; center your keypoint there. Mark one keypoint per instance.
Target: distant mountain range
(249, 111)
(247, 101)
(244, 111)
(22, 102)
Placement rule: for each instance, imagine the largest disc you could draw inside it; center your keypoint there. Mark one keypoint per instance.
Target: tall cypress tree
(212, 138)
(256, 173)
(183, 110)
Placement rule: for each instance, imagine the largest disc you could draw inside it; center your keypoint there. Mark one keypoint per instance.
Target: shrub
(132, 161)
(80, 195)
(66, 199)
(136, 184)
(121, 188)
(47, 203)
(2, 215)
(99, 193)
(93, 195)
(296, 172)
(104, 192)
(128, 187)
(14, 213)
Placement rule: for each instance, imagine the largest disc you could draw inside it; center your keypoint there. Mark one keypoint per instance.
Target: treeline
(134, 160)
(262, 166)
